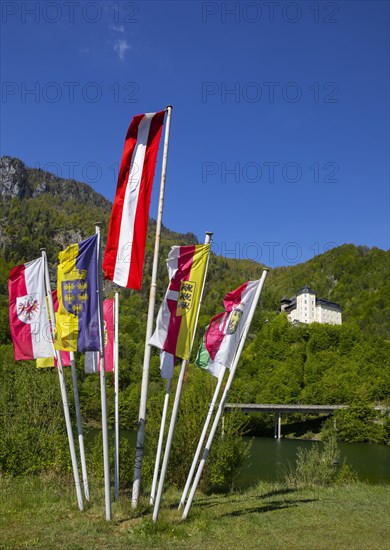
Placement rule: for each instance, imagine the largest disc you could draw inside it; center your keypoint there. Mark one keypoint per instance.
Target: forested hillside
(281, 363)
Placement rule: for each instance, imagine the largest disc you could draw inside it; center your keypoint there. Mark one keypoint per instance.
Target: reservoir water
(268, 455)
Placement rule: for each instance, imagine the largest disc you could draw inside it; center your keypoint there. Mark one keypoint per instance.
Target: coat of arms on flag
(186, 294)
(28, 308)
(74, 295)
(233, 321)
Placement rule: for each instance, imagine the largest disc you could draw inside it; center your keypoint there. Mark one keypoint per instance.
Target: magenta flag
(92, 358)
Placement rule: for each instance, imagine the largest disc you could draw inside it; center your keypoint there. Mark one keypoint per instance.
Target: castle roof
(328, 303)
(305, 290)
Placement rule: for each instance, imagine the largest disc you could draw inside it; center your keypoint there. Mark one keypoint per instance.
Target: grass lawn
(39, 514)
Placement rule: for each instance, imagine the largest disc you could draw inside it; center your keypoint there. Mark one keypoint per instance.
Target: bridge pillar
(278, 425)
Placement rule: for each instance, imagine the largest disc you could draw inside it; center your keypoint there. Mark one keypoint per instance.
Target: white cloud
(119, 28)
(120, 47)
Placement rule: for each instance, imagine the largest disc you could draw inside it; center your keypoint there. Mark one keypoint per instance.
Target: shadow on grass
(215, 500)
(277, 492)
(210, 502)
(207, 500)
(272, 507)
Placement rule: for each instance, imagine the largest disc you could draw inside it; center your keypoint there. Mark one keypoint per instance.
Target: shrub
(314, 467)
(227, 453)
(95, 463)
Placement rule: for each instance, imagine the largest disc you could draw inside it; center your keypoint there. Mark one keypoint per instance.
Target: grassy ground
(41, 514)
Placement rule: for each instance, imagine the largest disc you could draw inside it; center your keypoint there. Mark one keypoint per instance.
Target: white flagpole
(63, 388)
(106, 460)
(177, 401)
(79, 425)
(168, 445)
(224, 395)
(202, 437)
(139, 450)
(116, 390)
(160, 440)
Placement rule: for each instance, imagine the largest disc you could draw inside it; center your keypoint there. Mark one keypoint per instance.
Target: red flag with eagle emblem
(28, 314)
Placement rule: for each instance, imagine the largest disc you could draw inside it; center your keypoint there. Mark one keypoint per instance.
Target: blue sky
(280, 126)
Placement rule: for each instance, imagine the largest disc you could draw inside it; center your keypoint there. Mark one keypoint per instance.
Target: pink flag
(108, 308)
(28, 315)
(92, 358)
(124, 256)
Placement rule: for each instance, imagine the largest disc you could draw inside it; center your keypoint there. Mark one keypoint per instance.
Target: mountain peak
(21, 182)
(13, 179)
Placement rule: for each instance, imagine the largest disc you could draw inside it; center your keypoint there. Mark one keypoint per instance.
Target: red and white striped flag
(124, 256)
(28, 315)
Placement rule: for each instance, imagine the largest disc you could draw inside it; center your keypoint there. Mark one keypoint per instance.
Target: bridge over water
(279, 409)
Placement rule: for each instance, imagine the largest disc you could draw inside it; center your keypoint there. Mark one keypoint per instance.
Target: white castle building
(305, 307)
